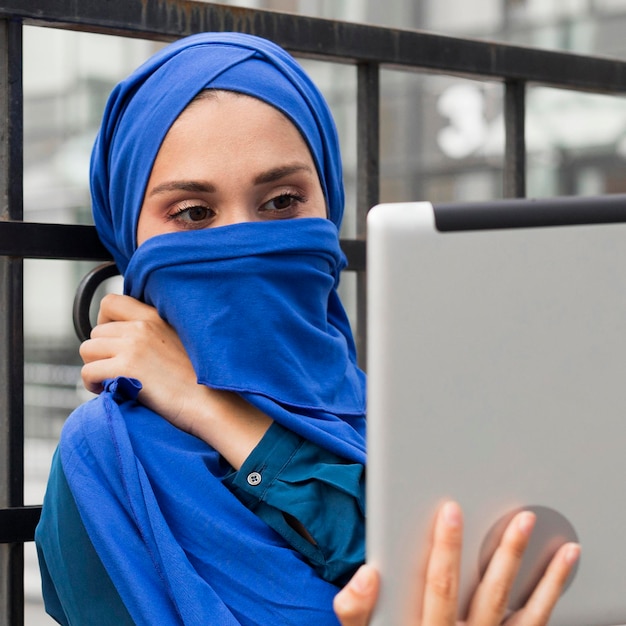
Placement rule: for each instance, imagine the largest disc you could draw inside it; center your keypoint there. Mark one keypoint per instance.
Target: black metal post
(368, 178)
(11, 319)
(515, 140)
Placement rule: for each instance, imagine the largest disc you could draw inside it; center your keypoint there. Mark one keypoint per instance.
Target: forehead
(221, 129)
(227, 112)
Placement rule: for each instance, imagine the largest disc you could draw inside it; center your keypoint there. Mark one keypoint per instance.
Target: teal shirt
(76, 588)
(288, 478)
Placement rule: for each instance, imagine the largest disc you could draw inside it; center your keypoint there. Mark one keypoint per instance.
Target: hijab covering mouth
(177, 544)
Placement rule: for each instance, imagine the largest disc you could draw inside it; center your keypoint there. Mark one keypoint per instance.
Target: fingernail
(572, 553)
(363, 581)
(526, 522)
(452, 515)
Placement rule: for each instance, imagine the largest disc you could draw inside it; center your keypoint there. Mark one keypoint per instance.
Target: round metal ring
(84, 295)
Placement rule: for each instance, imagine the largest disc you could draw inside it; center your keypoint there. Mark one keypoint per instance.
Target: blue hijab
(257, 309)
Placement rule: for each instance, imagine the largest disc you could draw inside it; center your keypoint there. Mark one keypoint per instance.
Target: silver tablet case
(496, 376)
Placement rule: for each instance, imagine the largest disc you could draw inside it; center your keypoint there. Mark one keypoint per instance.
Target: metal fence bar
(76, 242)
(17, 524)
(368, 142)
(11, 319)
(51, 241)
(368, 179)
(514, 185)
(329, 39)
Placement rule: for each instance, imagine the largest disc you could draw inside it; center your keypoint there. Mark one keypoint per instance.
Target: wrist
(226, 422)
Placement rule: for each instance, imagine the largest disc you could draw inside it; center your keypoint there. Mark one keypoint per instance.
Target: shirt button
(254, 479)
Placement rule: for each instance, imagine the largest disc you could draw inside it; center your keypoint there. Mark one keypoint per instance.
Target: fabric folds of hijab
(196, 551)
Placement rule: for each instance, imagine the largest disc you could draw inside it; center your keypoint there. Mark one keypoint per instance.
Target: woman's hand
(131, 340)
(355, 603)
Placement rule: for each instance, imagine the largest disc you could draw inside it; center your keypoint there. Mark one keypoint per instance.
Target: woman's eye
(197, 213)
(192, 214)
(284, 202)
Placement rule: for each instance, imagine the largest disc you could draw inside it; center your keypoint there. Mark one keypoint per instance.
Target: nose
(235, 213)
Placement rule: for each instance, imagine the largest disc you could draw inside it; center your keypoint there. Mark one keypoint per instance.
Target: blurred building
(442, 138)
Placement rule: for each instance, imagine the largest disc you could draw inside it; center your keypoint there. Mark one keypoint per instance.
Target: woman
(216, 185)
(227, 486)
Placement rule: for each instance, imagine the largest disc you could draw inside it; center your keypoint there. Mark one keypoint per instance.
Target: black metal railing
(370, 48)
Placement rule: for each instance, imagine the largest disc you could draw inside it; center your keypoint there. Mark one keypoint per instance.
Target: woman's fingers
(439, 603)
(117, 308)
(101, 361)
(543, 599)
(490, 602)
(132, 340)
(441, 582)
(355, 602)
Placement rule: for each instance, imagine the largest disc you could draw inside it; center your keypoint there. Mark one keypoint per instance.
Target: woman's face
(227, 159)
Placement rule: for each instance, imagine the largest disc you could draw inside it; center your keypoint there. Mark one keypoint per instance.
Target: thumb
(355, 602)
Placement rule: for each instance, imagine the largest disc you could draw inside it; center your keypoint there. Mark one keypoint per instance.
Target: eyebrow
(183, 185)
(270, 176)
(278, 173)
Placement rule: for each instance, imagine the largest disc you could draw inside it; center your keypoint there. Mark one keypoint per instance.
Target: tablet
(497, 377)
